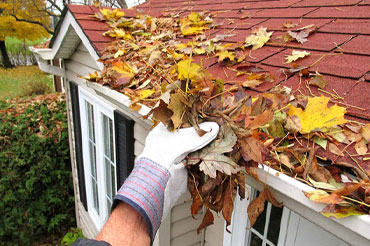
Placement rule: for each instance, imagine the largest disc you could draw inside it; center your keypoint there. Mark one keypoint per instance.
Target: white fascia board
(353, 229)
(118, 98)
(69, 20)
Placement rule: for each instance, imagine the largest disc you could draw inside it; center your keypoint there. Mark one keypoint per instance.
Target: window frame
(99, 108)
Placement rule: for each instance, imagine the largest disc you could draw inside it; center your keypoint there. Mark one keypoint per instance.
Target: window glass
(274, 225)
(110, 168)
(92, 154)
(255, 240)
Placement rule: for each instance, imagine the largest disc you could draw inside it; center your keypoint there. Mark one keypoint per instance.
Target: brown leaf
(256, 207)
(352, 136)
(240, 176)
(162, 113)
(196, 205)
(252, 148)
(318, 81)
(271, 198)
(208, 187)
(228, 204)
(207, 220)
(261, 119)
(361, 147)
(335, 150)
(365, 132)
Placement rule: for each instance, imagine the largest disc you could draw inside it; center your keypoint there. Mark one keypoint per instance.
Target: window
(269, 230)
(98, 144)
(266, 230)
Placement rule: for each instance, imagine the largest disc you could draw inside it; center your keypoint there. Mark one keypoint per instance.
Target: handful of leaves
(285, 131)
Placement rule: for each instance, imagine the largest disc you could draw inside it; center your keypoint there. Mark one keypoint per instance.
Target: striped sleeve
(144, 191)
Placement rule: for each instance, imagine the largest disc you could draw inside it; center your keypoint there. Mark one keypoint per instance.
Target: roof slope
(340, 47)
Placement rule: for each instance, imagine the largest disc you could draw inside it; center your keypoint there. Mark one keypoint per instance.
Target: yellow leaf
(339, 211)
(112, 14)
(120, 33)
(119, 53)
(124, 68)
(258, 38)
(317, 116)
(194, 24)
(178, 107)
(224, 54)
(296, 55)
(142, 94)
(187, 69)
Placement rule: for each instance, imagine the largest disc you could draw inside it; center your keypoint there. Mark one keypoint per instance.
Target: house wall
(179, 228)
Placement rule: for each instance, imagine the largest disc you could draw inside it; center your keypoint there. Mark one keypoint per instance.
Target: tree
(31, 19)
(22, 19)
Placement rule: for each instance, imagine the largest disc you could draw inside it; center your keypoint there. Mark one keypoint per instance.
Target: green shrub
(71, 236)
(34, 88)
(36, 188)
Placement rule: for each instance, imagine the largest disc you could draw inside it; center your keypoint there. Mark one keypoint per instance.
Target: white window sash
(99, 108)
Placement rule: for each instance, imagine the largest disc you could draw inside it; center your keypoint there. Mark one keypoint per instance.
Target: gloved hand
(159, 178)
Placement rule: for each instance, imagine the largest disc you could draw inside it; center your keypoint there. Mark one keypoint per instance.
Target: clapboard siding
(214, 234)
(186, 239)
(78, 68)
(84, 58)
(183, 226)
(87, 225)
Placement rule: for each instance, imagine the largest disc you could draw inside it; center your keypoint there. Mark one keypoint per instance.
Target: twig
(343, 151)
(348, 105)
(356, 201)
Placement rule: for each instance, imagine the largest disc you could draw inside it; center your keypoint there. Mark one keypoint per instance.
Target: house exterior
(106, 136)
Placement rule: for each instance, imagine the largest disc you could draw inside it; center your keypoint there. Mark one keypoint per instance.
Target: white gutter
(354, 230)
(42, 58)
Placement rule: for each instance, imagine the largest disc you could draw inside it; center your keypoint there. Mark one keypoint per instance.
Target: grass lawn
(13, 81)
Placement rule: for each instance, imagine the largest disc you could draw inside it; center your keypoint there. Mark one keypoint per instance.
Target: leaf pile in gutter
(150, 64)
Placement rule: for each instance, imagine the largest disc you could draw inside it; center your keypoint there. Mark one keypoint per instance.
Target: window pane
(95, 195)
(108, 177)
(90, 121)
(108, 137)
(111, 140)
(274, 225)
(113, 173)
(255, 240)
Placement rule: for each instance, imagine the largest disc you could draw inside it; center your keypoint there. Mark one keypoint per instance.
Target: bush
(37, 201)
(35, 88)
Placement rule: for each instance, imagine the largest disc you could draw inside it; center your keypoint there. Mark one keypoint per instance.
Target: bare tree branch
(33, 22)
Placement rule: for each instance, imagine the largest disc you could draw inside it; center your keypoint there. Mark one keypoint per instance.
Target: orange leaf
(207, 220)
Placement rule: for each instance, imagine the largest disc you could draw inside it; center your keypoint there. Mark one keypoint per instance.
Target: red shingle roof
(341, 41)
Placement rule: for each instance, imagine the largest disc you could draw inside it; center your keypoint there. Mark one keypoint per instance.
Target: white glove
(156, 182)
(167, 148)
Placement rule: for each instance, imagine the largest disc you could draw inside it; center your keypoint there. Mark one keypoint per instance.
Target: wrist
(144, 191)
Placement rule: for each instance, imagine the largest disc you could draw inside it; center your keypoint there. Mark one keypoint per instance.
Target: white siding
(214, 234)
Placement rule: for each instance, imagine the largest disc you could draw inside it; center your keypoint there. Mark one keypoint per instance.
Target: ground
(13, 81)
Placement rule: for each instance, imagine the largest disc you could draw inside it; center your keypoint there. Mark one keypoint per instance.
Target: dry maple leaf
(317, 116)
(258, 38)
(296, 55)
(212, 157)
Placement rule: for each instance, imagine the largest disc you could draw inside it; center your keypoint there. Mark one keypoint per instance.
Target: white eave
(355, 230)
(64, 44)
